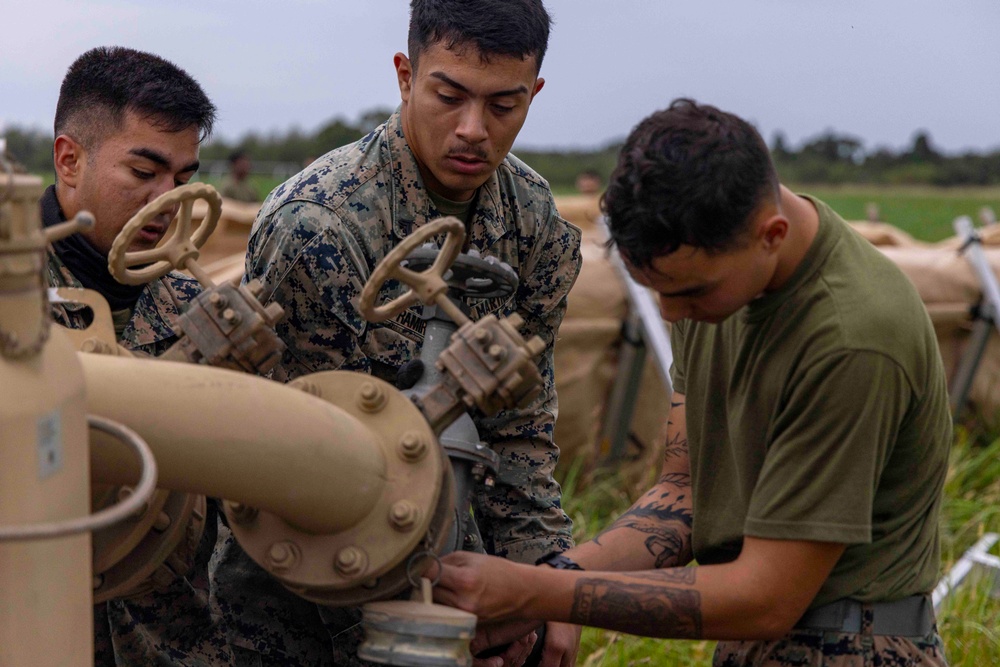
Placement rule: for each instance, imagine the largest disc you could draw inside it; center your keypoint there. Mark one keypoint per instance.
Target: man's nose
(472, 124)
(163, 186)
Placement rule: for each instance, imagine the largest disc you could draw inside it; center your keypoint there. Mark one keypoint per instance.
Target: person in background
(588, 182)
(236, 184)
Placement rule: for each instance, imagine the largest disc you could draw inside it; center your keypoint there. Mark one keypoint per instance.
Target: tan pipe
(45, 584)
(243, 438)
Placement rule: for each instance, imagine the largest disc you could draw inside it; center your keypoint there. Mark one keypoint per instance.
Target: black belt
(909, 617)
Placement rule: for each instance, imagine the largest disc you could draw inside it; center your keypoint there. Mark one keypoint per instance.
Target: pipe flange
(396, 526)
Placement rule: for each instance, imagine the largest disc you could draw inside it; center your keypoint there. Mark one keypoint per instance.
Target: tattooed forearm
(642, 609)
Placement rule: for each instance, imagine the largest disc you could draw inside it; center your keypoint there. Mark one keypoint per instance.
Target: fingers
(497, 634)
(562, 641)
(513, 655)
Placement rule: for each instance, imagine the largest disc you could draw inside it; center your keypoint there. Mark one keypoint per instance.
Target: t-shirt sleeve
(832, 437)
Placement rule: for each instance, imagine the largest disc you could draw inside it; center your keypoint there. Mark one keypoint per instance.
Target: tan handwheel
(182, 246)
(428, 286)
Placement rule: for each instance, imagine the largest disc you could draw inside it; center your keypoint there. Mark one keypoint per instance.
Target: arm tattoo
(670, 575)
(676, 447)
(668, 527)
(681, 480)
(642, 609)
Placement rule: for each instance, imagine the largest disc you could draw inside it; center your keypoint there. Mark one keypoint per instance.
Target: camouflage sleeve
(521, 517)
(308, 263)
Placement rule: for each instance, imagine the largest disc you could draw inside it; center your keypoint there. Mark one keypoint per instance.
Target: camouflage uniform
(315, 243)
(176, 626)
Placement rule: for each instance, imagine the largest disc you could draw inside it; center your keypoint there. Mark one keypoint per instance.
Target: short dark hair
(237, 154)
(108, 81)
(518, 28)
(688, 175)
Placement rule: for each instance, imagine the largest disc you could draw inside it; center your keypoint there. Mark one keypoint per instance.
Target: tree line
(828, 158)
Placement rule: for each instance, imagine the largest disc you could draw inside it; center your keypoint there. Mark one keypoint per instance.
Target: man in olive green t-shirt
(808, 436)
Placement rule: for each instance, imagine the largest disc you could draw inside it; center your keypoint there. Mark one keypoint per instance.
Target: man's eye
(448, 99)
(502, 109)
(144, 175)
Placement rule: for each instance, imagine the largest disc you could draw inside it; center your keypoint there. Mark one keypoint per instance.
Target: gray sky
(877, 69)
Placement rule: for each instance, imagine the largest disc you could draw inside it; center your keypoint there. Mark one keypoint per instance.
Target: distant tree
(32, 148)
(334, 134)
(779, 147)
(835, 148)
(372, 118)
(922, 151)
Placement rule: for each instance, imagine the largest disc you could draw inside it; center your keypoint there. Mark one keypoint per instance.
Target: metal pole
(643, 330)
(986, 317)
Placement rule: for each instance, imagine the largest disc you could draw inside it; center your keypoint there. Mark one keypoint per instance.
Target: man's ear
(539, 82)
(404, 75)
(773, 231)
(68, 157)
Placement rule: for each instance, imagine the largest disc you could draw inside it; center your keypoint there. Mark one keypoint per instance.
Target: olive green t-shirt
(820, 412)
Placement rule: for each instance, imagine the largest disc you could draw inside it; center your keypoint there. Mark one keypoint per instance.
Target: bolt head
(243, 514)
(371, 397)
(350, 561)
(283, 556)
(162, 522)
(403, 515)
(412, 447)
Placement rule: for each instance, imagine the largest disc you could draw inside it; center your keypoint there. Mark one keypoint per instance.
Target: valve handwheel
(427, 286)
(181, 247)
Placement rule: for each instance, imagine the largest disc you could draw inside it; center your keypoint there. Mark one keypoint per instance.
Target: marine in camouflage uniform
(314, 245)
(175, 626)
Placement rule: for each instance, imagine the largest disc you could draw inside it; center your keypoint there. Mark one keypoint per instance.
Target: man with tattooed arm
(808, 435)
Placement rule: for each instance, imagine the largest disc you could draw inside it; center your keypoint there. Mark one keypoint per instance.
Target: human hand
(486, 586)
(500, 651)
(562, 642)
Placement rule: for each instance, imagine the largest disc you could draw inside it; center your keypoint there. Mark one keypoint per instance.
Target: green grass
(923, 211)
(969, 621)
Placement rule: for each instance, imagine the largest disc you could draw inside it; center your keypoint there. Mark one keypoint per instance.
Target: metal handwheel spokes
(428, 287)
(179, 251)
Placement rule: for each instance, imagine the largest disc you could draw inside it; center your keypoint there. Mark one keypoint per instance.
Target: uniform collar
(412, 207)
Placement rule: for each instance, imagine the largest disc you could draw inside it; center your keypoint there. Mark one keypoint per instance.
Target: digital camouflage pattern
(175, 626)
(152, 327)
(817, 648)
(314, 244)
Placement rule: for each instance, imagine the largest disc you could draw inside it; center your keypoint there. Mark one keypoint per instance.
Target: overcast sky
(876, 69)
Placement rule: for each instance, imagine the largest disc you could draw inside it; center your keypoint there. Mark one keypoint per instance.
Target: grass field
(925, 212)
